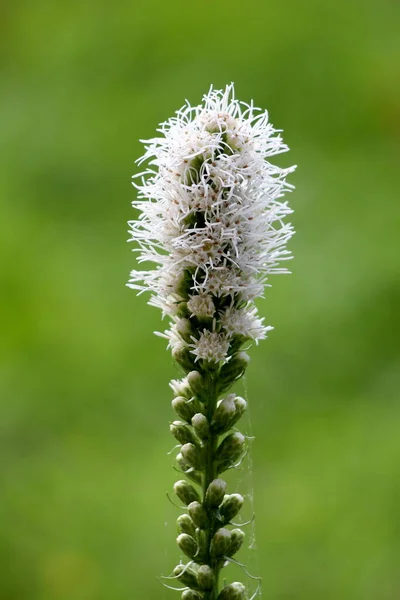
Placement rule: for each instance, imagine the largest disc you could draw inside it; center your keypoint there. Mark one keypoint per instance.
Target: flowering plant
(212, 222)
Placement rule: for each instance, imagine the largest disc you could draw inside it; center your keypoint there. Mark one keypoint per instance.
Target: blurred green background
(85, 402)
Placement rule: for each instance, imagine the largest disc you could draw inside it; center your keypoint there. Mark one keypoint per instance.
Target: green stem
(210, 474)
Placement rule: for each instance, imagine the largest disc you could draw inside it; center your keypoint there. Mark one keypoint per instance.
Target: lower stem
(210, 473)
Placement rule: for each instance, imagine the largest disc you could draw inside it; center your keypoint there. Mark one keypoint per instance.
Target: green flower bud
(184, 408)
(230, 450)
(186, 525)
(241, 405)
(182, 464)
(183, 356)
(183, 432)
(196, 382)
(188, 470)
(193, 456)
(233, 369)
(215, 493)
(187, 544)
(186, 492)
(224, 414)
(191, 595)
(180, 387)
(201, 426)
(220, 542)
(203, 543)
(234, 591)
(205, 577)
(188, 575)
(230, 506)
(237, 538)
(198, 515)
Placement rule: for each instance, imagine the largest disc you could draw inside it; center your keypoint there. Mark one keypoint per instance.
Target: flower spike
(212, 230)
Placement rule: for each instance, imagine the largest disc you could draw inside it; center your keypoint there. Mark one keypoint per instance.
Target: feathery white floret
(210, 204)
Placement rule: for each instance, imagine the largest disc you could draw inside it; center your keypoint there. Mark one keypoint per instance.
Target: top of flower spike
(213, 223)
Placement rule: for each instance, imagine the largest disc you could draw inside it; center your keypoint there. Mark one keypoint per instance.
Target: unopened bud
(230, 506)
(183, 432)
(198, 515)
(187, 544)
(193, 456)
(237, 539)
(230, 450)
(186, 492)
(233, 591)
(205, 577)
(203, 543)
(183, 356)
(215, 493)
(241, 406)
(183, 407)
(191, 595)
(188, 469)
(186, 525)
(224, 414)
(196, 382)
(180, 387)
(233, 369)
(201, 426)
(188, 575)
(220, 542)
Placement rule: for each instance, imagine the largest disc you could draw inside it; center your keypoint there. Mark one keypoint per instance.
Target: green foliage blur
(85, 402)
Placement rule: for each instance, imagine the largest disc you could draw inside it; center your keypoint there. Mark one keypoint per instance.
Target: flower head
(212, 221)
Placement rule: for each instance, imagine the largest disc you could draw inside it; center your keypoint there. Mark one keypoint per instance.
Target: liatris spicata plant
(212, 222)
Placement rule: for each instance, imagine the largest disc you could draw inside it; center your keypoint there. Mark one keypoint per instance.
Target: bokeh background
(85, 402)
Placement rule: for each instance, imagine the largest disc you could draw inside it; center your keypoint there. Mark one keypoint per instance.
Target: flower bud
(201, 426)
(205, 577)
(237, 538)
(186, 525)
(230, 450)
(241, 405)
(180, 387)
(183, 407)
(188, 470)
(186, 492)
(224, 414)
(233, 369)
(230, 506)
(188, 575)
(234, 591)
(220, 542)
(215, 493)
(183, 356)
(191, 595)
(183, 432)
(187, 544)
(196, 382)
(198, 515)
(193, 456)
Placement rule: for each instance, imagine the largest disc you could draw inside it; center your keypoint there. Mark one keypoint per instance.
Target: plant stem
(210, 474)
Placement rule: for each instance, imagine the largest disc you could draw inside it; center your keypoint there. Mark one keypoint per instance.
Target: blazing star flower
(212, 221)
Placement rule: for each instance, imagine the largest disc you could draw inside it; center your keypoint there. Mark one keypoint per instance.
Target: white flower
(244, 322)
(211, 346)
(212, 218)
(201, 305)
